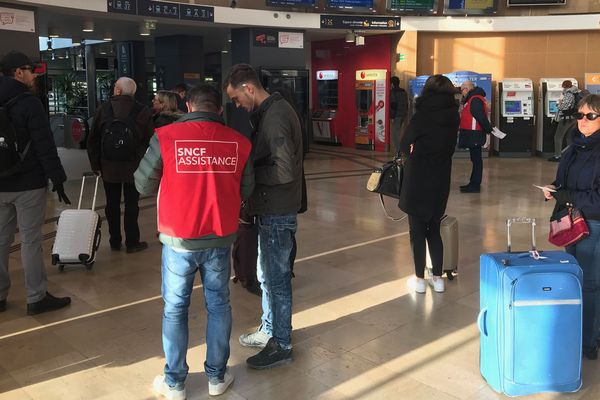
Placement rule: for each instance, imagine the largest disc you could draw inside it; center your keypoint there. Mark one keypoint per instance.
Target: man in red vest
(474, 128)
(200, 169)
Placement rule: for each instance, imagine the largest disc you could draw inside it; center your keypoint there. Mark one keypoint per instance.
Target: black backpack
(578, 97)
(120, 138)
(10, 157)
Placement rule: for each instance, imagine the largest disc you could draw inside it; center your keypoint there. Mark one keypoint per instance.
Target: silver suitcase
(449, 232)
(78, 233)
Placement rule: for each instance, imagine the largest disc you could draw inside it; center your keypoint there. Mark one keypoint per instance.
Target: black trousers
(422, 230)
(113, 192)
(477, 171)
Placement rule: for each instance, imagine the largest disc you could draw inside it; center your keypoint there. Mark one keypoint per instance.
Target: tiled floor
(359, 332)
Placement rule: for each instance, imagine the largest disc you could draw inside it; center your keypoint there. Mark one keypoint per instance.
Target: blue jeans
(273, 271)
(587, 253)
(178, 272)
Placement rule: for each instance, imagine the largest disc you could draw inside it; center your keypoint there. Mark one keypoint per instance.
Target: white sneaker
(257, 339)
(171, 393)
(217, 387)
(419, 285)
(437, 283)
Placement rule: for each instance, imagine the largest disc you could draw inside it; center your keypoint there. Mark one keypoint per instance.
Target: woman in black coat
(428, 145)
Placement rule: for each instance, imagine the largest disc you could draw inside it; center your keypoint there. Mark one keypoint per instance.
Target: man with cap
(23, 189)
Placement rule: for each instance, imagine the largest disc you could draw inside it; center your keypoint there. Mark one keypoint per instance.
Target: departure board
(290, 3)
(412, 5)
(469, 6)
(350, 4)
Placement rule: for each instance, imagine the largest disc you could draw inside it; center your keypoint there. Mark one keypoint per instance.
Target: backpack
(119, 138)
(11, 159)
(578, 97)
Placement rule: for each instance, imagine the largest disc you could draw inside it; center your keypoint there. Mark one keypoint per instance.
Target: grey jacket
(277, 158)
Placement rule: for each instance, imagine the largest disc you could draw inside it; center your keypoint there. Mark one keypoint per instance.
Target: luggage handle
(521, 220)
(481, 319)
(85, 175)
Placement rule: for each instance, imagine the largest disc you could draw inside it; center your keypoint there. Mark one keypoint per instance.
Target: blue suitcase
(530, 320)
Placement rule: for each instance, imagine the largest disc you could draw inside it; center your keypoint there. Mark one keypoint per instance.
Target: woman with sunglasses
(578, 183)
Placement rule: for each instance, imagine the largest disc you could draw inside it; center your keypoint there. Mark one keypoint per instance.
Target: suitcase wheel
(61, 267)
(55, 259)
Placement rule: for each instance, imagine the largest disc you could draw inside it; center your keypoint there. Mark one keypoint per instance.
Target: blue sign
(290, 3)
(483, 81)
(350, 4)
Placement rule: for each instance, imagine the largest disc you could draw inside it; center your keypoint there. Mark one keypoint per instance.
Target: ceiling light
(88, 26)
(75, 41)
(107, 36)
(224, 51)
(350, 37)
(229, 37)
(52, 33)
(144, 31)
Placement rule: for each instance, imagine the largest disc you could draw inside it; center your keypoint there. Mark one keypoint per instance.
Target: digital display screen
(512, 107)
(552, 107)
(350, 4)
(412, 5)
(290, 3)
(469, 6)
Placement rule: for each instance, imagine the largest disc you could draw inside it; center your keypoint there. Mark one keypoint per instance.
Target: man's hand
(60, 191)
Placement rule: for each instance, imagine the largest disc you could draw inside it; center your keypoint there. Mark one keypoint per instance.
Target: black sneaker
(48, 303)
(137, 247)
(2, 305)
(554, 159)
(271, 356)
(470, 189)
(464, 186)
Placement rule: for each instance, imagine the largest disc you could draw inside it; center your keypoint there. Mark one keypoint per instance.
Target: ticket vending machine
(324, 125)
(550, 91)
(372, 131)
(514, 116)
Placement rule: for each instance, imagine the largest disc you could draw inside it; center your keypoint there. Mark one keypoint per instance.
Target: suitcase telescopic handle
(87, 175)
(520, 220)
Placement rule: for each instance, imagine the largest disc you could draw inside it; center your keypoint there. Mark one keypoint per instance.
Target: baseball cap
(16, 59)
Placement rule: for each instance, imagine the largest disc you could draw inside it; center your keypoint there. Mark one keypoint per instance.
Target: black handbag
(387, 181)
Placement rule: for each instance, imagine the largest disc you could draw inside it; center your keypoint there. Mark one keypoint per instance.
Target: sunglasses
(588, 116)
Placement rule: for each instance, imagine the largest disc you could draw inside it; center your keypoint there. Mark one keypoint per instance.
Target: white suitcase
(449, 232)
(78, 233)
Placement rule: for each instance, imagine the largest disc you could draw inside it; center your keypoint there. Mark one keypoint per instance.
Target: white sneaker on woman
(437, 283)
(419, 285)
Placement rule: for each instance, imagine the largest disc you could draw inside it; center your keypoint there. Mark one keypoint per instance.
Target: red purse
(567, 227)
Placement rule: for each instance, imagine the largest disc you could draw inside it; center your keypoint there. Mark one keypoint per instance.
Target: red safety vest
(199, 191)
(467, 122)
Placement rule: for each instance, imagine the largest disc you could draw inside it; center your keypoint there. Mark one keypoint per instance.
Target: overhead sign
(290, 3)
(327, 75)
(429, 6)
(122, 6)
(12, 19)
(359, 22)
(265, 37)
(162, 9)
(371, 74)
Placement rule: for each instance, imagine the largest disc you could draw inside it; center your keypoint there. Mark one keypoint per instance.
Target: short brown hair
(168, 100)
(204, 97)
(592, 101)
(240, 74)
(438, 84)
